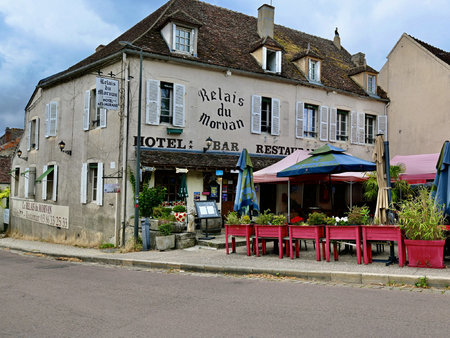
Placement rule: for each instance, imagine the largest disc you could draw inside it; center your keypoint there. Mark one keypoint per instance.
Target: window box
(174, 131)
(344, 232)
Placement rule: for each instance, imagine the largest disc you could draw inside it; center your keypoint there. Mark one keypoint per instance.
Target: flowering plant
(341, 221)
(297, 220)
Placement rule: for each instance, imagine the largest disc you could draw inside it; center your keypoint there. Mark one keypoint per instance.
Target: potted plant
(421, 220)
(179, 212)
(269, 225)
(164, 239)
(236, 226)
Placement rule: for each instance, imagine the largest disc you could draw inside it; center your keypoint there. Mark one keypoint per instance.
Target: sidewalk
(212, 260)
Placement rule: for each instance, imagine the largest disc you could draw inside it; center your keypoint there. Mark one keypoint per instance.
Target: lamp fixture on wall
(209, 142)
(19, 155)
(62, 145)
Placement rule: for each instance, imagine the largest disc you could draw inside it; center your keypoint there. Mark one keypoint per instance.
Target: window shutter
(310, 72)
(299, 127)
(27, 181)
(278, 56)
(44, 184)
(264, 58)
(256, 114)
(354, 127)
(382, 124)
(275, 123)
(323, 123)
(193, 52)
(317, 77)
(174, 34)
(29, 136)
(333, 124)
(84, 173)
(178, 105)
(361, 131)
(103, 117)
(100, 184)
(152, 110)
(47, 120)
(87, 108)
(36, 134)
(55, 182)
(53, 118)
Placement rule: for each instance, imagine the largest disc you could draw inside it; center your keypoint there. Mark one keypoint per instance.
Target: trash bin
(145, 234)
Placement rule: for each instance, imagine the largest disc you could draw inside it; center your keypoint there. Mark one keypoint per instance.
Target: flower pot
(165, 242)
(425, 254)
(180, 216)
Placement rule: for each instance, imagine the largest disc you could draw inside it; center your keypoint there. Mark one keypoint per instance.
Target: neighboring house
(417, 79)
(8, 144)
(208, 72)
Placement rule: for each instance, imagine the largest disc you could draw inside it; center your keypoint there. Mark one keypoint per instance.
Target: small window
(266, 114)
(50, 180)
(310, 120)
(183, 39)
(370, 129)
(94, 117)
(92, 182)
(341, 125)
(372, 84)
(314, 70)
(271, 60)
(16, 181)
(33, 134)
(166, 102)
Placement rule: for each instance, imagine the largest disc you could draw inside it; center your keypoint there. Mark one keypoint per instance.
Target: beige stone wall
(418, 85)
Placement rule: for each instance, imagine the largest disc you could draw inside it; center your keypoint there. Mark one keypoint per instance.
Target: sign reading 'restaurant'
(53, 215)
(107, 93)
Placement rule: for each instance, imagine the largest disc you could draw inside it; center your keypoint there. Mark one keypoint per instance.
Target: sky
(39, 38)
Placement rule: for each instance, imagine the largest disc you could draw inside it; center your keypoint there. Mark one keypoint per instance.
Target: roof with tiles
(441, 54)
(5, 167)
(226, 38)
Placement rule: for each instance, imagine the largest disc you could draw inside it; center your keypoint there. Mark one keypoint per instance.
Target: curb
(322, 276)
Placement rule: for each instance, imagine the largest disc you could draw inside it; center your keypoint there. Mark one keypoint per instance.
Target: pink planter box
(344, 232)
(315, 232)
(271, 231)
(239, 230)
(425, 254)
(382, 233)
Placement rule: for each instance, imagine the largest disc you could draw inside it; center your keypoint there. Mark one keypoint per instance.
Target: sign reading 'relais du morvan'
(107, 93)
(53, 215)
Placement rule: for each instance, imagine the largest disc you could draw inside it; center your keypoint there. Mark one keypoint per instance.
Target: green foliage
(421, 218)
(106, 246)
(264, 217)
(422, 282)
(5, 194)
(245, 219)
(359, 215)
(317, 218)
(233, 218)
(179, 208)
(150, 198)
(279, 220)
(166, 229)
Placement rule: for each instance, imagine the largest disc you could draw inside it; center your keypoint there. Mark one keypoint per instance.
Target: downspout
(125, 145)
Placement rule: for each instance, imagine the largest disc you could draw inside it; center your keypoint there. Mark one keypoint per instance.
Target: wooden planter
(344, 232)
(382, 233)
(239, 230)
(272, 232)
(425, 254)
(316, 232)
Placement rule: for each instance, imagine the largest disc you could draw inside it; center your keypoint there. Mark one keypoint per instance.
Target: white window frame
(273, 119)
(371, 84)
(87, 189)
(373, 119)
(90, 109)
(310, 131)
(51, 114)
(271, 60)
(33, 134)
(44, 183)
(314, 70)
(340, 136)
(176, 45)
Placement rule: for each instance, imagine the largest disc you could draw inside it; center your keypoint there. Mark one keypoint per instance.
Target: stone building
(208, 74)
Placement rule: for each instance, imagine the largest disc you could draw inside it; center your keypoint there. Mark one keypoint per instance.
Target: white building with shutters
(208, 73)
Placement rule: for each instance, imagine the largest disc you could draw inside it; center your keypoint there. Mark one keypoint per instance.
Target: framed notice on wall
(206, 209)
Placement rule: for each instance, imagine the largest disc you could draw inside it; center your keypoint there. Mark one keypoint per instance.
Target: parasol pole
(289, 199)
(392, 258)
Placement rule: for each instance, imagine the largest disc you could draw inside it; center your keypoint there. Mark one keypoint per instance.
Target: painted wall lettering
(160, 142)
(275, 150)
(224, 111)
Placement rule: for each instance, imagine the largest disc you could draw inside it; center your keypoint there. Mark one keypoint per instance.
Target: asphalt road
(42, 297)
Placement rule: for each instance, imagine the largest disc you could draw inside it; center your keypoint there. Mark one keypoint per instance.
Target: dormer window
(371, 84)
(271, 60)
(314, 70)
(183, 39)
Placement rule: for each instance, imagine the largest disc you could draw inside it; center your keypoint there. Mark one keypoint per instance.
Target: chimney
(266, 20)
(359, 59)
(337, 39)
(99, 47)
(7, 134)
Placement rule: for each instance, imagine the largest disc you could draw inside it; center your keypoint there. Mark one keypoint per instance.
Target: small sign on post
(205, 210)
(107, 93)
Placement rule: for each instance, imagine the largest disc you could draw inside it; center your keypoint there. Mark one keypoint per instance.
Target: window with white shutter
(102, 117)
(382, 125)
(256, 114)
(29, 135)
(361, 128)
(33, 134)
(84, 174)
(299, 129)
(271, 60)
(99, 199)
(275, 128)
(314, 70)
(26, 181)
(178, 105)
(333, 125)
(369, 129)
(36, 133)
(44, 184)
(354, 127)
(53, 119)
(310, 115)
(152, 106)
(86, 109)
(55, 183)
(323, 123)
(92, 183)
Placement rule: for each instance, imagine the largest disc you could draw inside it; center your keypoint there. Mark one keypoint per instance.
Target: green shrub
(317, 218)
(245, 219)
(179, 208)
(264, 217)
(421, 218)
(166, 229)
(359, 215)
(279, 220)
(232, 218)
(150, 198)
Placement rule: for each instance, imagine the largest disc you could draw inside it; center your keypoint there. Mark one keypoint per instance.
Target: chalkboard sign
(206, 209)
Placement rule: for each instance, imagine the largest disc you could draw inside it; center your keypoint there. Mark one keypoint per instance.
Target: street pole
(138, 154)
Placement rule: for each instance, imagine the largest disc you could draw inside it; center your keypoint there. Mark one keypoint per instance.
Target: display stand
(205, 210)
